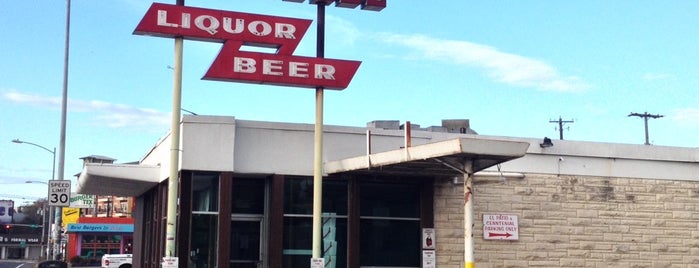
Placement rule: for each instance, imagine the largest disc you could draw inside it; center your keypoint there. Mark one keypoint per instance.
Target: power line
(561, 122)
(645, 117)
(20, 196)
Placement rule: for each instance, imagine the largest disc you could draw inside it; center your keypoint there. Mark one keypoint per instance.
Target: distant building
(105, 228)
(7, 209)
(12, 244)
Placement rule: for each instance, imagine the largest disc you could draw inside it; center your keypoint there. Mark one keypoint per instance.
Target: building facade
(393, 197)
(104, 227)
(19, 240)
(92, 237)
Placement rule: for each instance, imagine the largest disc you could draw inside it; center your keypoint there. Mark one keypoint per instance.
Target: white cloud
(13, 96)
(337, 26)
(687, 117)
(134, 117)
(104, 113)
(656, 76)
(503, 67)
(13, 180)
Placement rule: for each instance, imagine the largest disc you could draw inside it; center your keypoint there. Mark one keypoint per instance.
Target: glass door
(246, 234)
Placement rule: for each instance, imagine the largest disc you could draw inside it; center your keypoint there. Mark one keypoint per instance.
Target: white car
(116, 261)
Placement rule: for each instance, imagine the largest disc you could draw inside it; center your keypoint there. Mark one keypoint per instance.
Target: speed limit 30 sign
(59, 193)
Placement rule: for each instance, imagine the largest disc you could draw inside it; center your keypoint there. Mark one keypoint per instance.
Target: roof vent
(458, 126)
(384, 124)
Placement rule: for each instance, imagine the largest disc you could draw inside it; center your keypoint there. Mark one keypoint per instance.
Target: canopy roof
(117, 179)
(444, 158)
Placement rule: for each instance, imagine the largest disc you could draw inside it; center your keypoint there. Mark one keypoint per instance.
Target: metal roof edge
(483, 152)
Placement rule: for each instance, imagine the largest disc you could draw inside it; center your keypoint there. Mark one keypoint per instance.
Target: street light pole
(45, 229)
(53, 152)
(52, 216)
(62, 136)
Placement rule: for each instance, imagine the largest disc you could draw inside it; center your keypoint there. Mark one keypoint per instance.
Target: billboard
(7, 210)
(235, 30)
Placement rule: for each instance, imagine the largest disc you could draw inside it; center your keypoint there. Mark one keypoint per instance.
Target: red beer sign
(235, 29)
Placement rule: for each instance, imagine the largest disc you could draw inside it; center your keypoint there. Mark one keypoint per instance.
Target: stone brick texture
(572, 221)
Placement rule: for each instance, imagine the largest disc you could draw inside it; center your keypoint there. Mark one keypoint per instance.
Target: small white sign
(82, 200)
(429, 260)
(500, 227)
(170, 262)
(317, 263)
(59, 193)
(428, 238)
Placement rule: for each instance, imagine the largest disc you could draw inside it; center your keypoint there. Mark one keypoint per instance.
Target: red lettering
(276, 68)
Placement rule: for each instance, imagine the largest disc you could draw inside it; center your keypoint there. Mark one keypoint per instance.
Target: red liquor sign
(235, 29)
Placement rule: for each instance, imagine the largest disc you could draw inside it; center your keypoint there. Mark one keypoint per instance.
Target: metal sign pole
(318, 142)
(62, 141)
(173, 187)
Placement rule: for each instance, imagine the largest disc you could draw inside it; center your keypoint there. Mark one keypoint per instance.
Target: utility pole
(561, 122)
(645, 117)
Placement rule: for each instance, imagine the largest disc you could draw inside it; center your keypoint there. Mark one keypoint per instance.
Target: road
(17, 264)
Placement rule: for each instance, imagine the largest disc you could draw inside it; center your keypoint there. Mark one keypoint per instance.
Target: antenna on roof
(645, 117)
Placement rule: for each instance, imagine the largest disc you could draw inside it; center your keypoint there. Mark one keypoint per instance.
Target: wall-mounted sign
(428, 238)
(99, 228)
(429, 260)
(69, 215)
(500, 227)
(317, 263)
(82, 200)
(170, 262)
(235, 29)
(19, 239)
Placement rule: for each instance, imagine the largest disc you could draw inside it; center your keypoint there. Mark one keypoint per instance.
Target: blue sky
(508, 66)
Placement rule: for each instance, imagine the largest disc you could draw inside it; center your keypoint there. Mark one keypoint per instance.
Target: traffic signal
(6, 229)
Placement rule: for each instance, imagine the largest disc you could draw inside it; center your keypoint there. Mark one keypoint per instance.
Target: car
(116, 261)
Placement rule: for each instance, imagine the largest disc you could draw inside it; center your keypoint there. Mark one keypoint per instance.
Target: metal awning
(117, 179)
(444, 158)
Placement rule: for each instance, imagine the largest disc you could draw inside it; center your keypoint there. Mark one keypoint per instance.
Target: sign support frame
(318, 141)
(173, 180)
(469, 258)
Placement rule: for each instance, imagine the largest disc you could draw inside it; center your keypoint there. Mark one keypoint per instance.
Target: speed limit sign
(59, 193)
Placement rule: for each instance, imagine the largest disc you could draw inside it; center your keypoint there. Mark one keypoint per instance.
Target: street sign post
(59, 193)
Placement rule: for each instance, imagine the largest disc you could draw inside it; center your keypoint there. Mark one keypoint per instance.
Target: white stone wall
(575, 221)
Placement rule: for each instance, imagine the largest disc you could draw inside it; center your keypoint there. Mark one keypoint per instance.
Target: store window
(128, 245)
(93, 246)
(204, 193)
(123, 206)
(204, 221)
(298, 220)
(389, 225)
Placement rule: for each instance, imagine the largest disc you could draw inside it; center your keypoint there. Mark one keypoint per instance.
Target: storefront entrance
(265, 221)
(248, 221)
(14, 253)
(246, 249)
